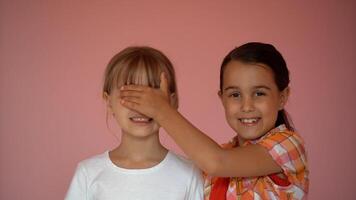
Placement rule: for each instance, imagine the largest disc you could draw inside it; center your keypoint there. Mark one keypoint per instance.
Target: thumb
(163, 86)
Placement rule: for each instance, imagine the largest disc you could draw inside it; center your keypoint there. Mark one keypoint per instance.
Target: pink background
(53, 54)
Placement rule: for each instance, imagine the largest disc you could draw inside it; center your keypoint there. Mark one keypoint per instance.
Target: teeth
(140, 119)
(251, 120)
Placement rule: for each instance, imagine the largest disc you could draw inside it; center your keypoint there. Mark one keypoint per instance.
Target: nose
(247, 104)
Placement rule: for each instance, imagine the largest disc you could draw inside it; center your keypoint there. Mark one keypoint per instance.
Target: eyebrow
(255, 87)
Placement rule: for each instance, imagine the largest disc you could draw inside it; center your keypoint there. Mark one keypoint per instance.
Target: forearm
(195, 144)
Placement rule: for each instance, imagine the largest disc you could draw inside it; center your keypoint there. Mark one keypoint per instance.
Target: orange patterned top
(287, 149)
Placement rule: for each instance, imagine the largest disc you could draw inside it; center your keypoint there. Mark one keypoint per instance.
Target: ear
(284, 95)
(173, 100)
(107, 100)
(222, 99)
(220, 94)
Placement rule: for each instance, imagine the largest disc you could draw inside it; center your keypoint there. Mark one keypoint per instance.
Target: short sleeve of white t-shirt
(175, 178)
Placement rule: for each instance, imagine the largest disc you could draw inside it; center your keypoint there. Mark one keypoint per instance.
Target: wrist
(164, 112)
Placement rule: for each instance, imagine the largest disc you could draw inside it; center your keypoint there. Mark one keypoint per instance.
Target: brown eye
(259, 93)
(235, 95)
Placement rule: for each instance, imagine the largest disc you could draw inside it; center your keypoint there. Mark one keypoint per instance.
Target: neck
(138, 152)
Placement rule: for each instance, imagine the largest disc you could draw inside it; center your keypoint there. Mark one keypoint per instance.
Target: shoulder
(93, 164)
(95, 160)
(180, 161)
(188, 173)
(285, 139)
(287, 149)
(183, 164)
(85, 173)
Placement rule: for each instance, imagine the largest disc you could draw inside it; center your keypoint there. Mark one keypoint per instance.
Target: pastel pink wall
(53, 53)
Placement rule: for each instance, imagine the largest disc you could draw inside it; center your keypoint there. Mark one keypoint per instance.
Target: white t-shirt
(174, 178)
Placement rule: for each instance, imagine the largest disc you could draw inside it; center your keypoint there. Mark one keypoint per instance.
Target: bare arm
(253, 160)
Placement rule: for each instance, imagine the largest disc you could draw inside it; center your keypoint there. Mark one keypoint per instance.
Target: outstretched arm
(252, 160)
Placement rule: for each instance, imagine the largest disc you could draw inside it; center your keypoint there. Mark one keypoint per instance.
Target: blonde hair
(137, 63)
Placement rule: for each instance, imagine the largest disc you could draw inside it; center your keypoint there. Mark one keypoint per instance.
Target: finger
(130, 93)
(164, 83)
(133, 87)
(131, 99)
(129, 104)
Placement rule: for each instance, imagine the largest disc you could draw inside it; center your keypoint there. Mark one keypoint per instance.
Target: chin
(248, 134)
(143, 133)
(141, 136)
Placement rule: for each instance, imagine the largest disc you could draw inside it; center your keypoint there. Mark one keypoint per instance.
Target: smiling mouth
(141, 119)
(249, 121)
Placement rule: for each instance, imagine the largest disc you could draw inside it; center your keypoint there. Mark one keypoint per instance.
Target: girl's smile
(141, 120)
(249, 121)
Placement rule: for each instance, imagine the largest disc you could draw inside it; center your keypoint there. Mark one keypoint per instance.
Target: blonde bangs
(138, 72)
(138, 66)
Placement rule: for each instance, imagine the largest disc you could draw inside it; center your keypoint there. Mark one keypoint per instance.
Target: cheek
(119, 107)
(231, 108)
(120, 111)
(156, 126)
(269, 110)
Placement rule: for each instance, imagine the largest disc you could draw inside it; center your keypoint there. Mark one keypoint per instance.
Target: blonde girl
(140, 167)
